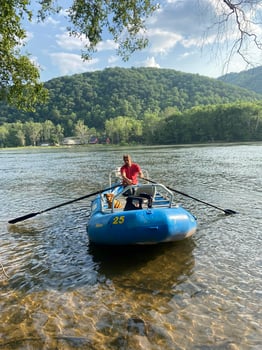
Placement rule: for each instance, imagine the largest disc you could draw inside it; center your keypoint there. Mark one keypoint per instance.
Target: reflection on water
(62, 293)
(138, 266)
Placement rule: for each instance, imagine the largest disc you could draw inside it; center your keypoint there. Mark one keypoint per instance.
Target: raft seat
(135, 203)
(146, 189)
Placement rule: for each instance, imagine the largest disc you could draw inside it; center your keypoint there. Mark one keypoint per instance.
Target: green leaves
(19, 77)
(123, 19)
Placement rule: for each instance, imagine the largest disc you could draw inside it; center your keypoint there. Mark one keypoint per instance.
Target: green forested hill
(95, 97)
(136, 105)
(250, 79)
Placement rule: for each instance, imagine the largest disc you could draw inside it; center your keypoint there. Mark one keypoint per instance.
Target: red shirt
(131, 172)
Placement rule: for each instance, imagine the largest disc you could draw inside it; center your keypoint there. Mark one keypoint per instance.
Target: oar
(31, 215)
(226, 211)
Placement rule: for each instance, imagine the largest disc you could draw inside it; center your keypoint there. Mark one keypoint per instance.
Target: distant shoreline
(112, 146)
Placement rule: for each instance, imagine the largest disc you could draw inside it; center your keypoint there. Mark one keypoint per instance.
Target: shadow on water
(114, 260)
(146, 268)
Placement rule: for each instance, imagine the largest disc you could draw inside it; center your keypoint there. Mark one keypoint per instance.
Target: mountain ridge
(95, 97)
(250, 79)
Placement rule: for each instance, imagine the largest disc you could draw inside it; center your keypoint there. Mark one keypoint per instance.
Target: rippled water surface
(59, 292)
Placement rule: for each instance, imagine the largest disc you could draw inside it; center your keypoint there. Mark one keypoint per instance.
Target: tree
(125, 20)
(19, 77)
(3, 134)
(47, 130)
(58, 135)
(17, 135)
(33, 131)
(237, 27)
(124, 129)
(81, 131)
(150, 125)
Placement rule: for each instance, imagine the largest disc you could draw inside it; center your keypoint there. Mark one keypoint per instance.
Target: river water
(58, 292)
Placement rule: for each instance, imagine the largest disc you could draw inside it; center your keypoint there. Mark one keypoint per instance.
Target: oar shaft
(69, 202)
(28, 216)
(226, 211)
(196, 199)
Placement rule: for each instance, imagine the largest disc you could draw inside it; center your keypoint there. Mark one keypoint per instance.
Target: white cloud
(162, 41)
(113, 59)
(49, 21)
(68, 63)
(70, 43)
(193, 23)
(197, 25)
(187, 55)
(29, 36)
(151, 62)
(107, 45)
(185, 18)
(182, 35)
(180, 23)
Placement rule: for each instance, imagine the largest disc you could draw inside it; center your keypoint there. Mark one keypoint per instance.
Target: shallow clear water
(58, 292)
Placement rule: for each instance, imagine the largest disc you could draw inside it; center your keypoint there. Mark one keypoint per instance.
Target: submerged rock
(137, 326)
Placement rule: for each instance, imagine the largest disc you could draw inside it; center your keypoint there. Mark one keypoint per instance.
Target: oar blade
(22, 218)
(230, 211)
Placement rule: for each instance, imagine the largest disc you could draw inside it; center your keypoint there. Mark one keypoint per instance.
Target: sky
(182, 34)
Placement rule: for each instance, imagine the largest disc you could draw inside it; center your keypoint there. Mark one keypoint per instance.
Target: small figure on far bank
(130, 171)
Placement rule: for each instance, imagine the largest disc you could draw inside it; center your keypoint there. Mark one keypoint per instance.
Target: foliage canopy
(137, 105)
(19, 76)
(95, 97)
(125, 20)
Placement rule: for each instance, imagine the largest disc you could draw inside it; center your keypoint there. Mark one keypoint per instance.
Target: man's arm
(126, 180)
(140, 174)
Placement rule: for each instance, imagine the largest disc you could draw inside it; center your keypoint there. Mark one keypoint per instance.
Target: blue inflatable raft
(141, 214)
